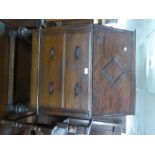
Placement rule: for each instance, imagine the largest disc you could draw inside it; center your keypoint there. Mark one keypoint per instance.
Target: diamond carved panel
(113, 71)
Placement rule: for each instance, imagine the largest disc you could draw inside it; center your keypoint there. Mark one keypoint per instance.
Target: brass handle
(52, 53)
(77, 89)
(77, 53)
(51, 87)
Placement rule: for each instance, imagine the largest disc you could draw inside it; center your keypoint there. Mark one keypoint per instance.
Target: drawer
(51, 71)
(77, 71)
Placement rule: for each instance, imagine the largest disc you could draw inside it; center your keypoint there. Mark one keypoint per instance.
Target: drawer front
(77, 71)
(50, 94)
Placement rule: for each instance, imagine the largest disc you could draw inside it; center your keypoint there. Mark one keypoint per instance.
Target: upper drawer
(51, 71)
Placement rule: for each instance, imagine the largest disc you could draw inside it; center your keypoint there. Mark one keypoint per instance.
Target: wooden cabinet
(84, 71)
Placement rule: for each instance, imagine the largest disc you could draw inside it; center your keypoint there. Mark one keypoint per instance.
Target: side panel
(113, 72)
(22, 71)
(50, 94)
(77, 71)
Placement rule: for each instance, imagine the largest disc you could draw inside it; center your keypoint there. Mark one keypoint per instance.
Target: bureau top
(82, 27)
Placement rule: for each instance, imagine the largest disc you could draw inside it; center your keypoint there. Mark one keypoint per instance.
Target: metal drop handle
(77, 53)
(51, 87)
(77, 89)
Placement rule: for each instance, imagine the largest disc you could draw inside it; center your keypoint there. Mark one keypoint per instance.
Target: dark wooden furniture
(15, 71)
(15, 23)
(83, 71)
(4, 71)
